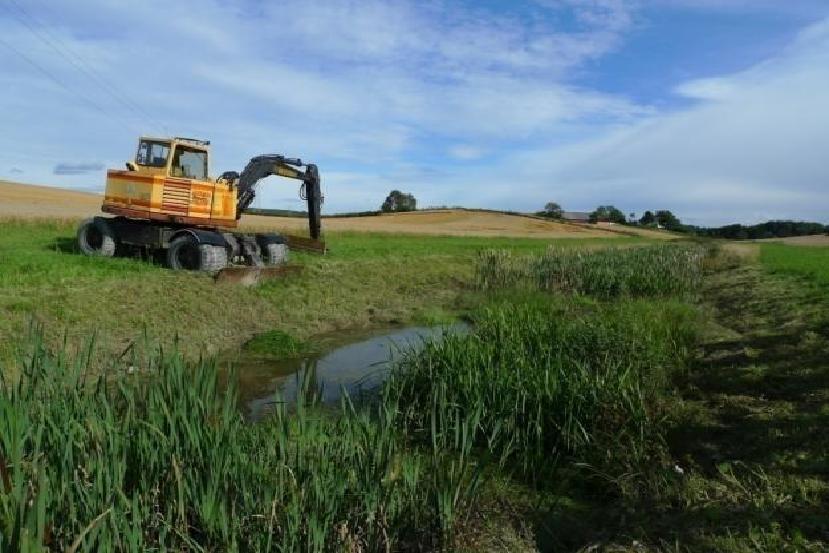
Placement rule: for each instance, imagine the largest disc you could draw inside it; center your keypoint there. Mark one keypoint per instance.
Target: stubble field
(29, 201)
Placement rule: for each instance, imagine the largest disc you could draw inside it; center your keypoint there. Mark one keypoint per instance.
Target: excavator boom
(268, 165)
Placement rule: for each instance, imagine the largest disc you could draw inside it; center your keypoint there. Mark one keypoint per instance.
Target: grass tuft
(159, 457)
(277, 344)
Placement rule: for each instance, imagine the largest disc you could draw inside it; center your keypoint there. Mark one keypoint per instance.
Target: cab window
(152, 154)
(189, 163)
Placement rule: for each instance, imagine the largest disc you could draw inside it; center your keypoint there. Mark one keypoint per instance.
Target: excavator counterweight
(165, 201)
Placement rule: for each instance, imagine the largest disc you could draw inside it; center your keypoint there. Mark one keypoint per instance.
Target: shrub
(276, 343)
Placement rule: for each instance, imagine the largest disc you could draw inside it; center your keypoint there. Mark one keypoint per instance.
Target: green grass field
(806, 261)
(366, 280)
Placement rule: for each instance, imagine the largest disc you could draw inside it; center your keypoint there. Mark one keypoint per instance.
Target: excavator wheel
(272, 249)
(96, 238)
(275, 254)
(186, 253)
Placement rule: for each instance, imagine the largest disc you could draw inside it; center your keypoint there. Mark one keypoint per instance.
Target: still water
(355, 362)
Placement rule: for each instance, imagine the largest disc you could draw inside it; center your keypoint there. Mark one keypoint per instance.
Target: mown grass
(747, 427)
(809, 262)
(365, 280)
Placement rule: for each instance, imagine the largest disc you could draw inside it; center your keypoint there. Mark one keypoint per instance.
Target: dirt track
(29, 201)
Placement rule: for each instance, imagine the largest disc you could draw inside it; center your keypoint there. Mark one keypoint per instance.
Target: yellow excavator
(165, 202)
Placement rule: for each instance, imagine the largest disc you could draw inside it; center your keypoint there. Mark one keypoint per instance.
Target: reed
(648, 271)
(160, 458)
(555, 380)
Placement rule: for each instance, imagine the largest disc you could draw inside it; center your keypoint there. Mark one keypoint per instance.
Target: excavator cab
(168, 182)
(189, 162)
(178, 157)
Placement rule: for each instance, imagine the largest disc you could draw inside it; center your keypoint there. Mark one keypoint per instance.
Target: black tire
(272, 249)
(187, 254)
(274, 254)
(96, 239)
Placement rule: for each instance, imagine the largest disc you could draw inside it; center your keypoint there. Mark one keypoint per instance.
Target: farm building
(576, 216)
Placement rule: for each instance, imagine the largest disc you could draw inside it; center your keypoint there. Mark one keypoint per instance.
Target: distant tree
(632, 218)
(647, 218)
(667, 219)
(398, 201)
(552, 210)
(608, 213)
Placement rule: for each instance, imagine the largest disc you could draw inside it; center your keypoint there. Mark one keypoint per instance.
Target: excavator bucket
(305, 244)
(251, 276)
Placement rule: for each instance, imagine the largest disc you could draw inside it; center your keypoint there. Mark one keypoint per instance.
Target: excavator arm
(264, 166)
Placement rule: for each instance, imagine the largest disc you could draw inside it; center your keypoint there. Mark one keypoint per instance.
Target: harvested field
(451, 222)
(30, 201)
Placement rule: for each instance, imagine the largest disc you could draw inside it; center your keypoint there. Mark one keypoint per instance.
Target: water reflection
(357, 362)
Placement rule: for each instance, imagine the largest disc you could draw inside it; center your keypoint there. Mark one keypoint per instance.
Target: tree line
(769, 229)
(665, 219)
(398, 201)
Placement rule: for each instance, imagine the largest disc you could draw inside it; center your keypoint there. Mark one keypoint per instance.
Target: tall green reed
(553, 379)
(648, 271)
(161, 458)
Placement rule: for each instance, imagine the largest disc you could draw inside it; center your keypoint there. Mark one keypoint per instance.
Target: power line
(46, 40)
(62, 49)
(60, 83)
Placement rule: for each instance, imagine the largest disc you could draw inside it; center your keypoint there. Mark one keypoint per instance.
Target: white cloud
(367, 83)
(465, 152)
(611, 14)
(753, 147)
(382, 92)
(707, 89)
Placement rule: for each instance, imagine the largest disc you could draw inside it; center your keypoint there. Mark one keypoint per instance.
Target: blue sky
(715, 109)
